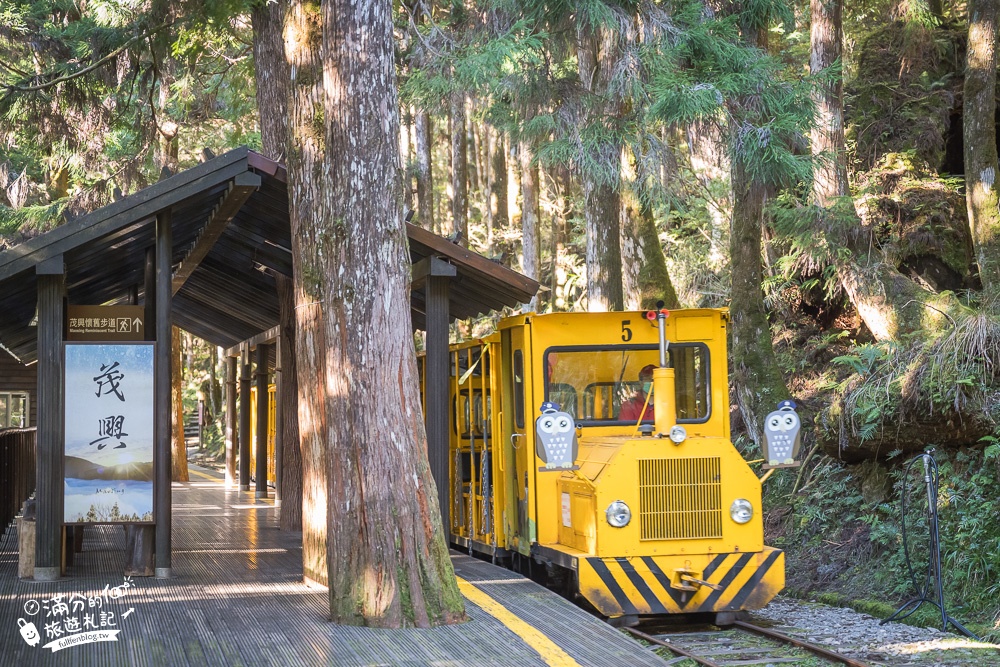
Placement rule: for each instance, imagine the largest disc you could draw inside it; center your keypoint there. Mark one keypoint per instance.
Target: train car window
(519, 388)
(606, 377)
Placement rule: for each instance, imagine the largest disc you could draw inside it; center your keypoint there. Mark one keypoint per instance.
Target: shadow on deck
(237, 599)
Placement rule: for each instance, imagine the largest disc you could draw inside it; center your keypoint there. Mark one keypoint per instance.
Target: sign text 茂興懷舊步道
(104, 323)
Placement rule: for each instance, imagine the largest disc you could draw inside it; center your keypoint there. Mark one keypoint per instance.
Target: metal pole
(49, 452)
(162, 393)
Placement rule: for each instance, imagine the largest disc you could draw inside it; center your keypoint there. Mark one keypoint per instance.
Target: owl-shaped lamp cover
(783, 436)
(555, 439)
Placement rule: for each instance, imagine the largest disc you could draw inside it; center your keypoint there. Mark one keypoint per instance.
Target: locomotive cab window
(519, 389)
(594, 383)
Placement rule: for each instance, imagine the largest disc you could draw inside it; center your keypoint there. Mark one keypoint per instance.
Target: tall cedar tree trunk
(271, 76)
(471, 154)
(756, 377)
(981, 140)
(530, 219)
(459, 170)
(710, 163)
(889, 303)
(405, 150)
(167, 129)
(645, 278)
(179, 464)
(596, 53)
(291, 453)
(309, 212)
(425, 188)
(272, 79)
(499, 215)
(359, 407)
(560, 233)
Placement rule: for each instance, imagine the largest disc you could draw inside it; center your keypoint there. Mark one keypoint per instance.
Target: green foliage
(846, 539)
(81, 102)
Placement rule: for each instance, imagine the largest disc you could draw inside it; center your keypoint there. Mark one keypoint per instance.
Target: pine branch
(90, 68)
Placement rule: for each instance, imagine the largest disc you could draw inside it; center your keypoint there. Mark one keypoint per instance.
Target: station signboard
(109, 433)
(105, 323)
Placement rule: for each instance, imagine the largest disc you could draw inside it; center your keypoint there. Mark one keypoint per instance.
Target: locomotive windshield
(595, 383)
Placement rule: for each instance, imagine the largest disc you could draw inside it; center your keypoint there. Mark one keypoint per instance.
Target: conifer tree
(982, 189)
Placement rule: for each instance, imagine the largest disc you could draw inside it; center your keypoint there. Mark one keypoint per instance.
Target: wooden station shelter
(201, 250)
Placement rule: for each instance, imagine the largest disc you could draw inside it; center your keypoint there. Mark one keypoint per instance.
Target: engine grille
(680, 499)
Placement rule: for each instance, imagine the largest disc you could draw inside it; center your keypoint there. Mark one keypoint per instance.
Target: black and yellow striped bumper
(654, 585)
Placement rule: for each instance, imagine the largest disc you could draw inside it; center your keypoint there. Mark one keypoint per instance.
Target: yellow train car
(658, 513)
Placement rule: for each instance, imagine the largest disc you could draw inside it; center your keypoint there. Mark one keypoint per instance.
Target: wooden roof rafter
(239, 190)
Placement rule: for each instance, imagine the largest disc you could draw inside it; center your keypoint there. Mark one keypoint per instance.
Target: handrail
(17, 471)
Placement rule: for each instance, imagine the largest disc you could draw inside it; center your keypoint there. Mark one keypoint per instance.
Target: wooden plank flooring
(237, 599)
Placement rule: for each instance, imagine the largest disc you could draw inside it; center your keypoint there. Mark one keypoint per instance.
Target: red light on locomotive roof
(651, 315)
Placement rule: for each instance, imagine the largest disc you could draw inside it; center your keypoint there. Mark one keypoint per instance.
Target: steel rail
(819, 650)
(676, 649)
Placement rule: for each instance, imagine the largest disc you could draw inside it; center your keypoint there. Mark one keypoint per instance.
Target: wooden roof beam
(240, 189)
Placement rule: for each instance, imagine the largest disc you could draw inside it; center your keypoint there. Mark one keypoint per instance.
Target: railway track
(740, 646)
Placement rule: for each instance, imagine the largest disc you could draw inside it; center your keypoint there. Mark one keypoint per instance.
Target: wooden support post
(262, 412)
(437, 370)
(231, 421)
(163, 398)
(149, 295)
(245, 382)
(279, 421)
(49, 453)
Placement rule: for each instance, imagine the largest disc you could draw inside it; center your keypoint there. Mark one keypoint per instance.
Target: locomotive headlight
(619, 514)
(678, 434)
(741, 510)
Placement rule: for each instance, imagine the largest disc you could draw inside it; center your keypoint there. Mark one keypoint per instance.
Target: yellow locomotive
(635, 500)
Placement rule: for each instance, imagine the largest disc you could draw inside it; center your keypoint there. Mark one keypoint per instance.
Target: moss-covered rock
(908, 85)
(919, 220)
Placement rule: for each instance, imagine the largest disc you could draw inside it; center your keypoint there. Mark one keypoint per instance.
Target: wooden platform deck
(237, 599)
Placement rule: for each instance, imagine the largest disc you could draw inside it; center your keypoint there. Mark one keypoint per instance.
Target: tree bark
(706, 147)
(459, 170)
(425, 187)
(530, 219)
(288, 390)
(405, 151)
(560, 234)
(596, 51)
(499, 214)
(979, 128)
(309, 207)
(387, 560)
(889, 303)
(645, 278)
(179, 473)
(756, 377)
(271, 76)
